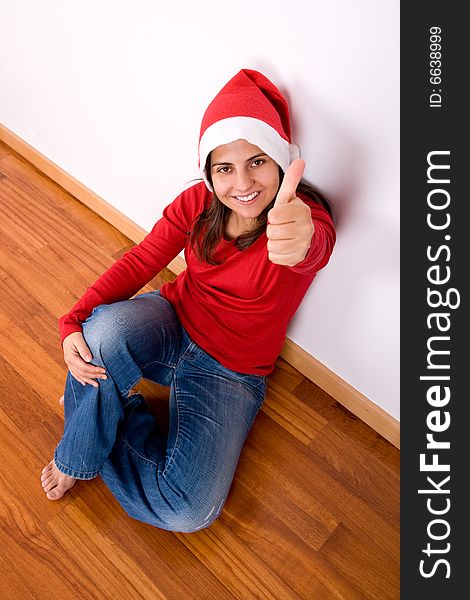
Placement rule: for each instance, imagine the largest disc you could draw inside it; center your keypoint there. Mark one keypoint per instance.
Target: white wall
(114, 91)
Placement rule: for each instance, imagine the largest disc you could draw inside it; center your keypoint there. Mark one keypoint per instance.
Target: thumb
(291, 180)
(83, 349)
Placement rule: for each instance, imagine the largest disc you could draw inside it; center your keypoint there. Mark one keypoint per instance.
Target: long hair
(209, 227)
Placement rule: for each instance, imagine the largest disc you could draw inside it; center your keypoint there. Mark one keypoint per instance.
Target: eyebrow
(247, 160)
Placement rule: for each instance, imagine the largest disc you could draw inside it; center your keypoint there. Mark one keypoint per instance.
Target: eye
(258, 162)
(223, 170)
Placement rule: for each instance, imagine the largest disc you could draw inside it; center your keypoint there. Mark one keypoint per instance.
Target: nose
(243, 181)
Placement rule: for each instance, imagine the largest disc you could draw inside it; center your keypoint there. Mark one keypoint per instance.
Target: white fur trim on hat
(252, 130)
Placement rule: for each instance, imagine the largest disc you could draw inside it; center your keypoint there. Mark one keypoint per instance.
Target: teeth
(247, 198)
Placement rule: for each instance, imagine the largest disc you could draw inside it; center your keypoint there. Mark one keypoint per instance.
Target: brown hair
(209, 227)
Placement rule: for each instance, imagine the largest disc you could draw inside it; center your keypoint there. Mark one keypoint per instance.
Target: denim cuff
(72, 472)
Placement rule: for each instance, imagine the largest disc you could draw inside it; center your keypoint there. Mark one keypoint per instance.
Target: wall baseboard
(342, 391)
(366, 410)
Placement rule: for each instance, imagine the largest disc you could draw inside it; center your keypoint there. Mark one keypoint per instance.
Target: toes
(46, 473)
(48, 468)
(56, 491)
(50, 485)
(55, 494)
(47, 480)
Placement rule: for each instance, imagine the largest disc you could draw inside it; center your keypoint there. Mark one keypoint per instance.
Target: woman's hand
(77, 355)
(290, 228)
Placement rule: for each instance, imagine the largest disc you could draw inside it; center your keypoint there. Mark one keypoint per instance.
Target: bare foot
(61, 400)
(54, 482)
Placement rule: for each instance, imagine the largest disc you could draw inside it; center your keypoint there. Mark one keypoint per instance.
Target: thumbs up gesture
(290, 228)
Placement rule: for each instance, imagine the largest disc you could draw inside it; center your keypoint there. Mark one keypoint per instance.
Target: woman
(254, 237)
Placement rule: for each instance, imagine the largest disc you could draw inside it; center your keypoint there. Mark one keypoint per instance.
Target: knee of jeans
(102, 332)
(193, 519)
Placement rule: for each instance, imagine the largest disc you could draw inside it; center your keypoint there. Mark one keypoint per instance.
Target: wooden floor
(313, 512)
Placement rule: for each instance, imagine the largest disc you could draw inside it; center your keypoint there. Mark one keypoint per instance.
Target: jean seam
(169, 366)
(177, 437)
(191, 346)
(192, 352)
(126, 443)
(74, 396)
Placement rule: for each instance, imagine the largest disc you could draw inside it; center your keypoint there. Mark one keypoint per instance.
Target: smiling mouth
(246, 199)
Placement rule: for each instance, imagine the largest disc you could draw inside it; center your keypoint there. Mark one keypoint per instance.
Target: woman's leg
(180, 482)
(211, 412)
(126, 338)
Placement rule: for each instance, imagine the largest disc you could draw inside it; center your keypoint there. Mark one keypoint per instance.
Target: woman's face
(244, 178)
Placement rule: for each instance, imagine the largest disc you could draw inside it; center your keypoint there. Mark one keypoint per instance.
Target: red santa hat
(248, 107)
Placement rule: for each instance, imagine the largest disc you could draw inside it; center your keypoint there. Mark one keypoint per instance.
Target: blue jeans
(177, 481)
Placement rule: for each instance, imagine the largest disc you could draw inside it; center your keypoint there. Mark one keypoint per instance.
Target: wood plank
(292, 414)
(271, 539)
(265, 493)
(60, 215)
(113, 572)
(235, 565)
(369, 412)
(38, 369)
(160, 554)
(361, 471)
(46, 291)
(24, 504)
(41, 424)
(285, 375)
(11, 584)
(373, 572)
(345, 421)
(278, 451)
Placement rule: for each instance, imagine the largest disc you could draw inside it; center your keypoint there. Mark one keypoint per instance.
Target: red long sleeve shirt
(238, 312)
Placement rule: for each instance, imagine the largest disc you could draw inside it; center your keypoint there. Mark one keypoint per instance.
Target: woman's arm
(142, 262)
